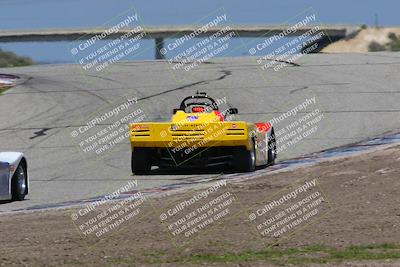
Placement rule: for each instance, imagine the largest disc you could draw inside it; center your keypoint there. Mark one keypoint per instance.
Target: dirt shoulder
(357, 218)
(362, 40)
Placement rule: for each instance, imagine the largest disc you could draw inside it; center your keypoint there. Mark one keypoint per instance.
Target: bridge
(160, 33)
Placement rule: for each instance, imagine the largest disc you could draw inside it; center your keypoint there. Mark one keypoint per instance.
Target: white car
(13, 176)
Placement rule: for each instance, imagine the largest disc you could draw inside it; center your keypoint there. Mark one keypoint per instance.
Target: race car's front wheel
(141, 160)
(18, 183)
(245, 160)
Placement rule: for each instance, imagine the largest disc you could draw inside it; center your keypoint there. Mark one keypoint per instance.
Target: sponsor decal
(192, 118)
(140, 127)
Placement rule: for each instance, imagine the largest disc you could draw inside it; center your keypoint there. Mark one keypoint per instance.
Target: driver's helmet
(198, 108)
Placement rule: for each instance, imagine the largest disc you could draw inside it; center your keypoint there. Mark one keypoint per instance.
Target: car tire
(245, 160)
(271, 149)
(19, 183)
(141, 160)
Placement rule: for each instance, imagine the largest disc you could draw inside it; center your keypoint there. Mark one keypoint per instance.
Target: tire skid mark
(225, 74)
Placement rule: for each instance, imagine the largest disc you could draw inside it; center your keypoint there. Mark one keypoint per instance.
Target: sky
(22, 14)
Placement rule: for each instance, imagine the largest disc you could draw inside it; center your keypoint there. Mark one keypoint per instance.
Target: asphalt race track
(358, 95)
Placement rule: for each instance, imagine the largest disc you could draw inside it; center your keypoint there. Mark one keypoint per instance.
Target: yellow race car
(201, 135)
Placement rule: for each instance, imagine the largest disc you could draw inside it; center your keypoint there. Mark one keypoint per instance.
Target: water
(36, 14)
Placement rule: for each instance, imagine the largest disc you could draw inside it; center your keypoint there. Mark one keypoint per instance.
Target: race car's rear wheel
(271, 149)
(19, 184)
(141, 160)
(245, 160)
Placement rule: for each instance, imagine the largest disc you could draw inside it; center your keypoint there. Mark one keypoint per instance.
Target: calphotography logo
(289, 211)
(211, 37)
(100, 217)
(109, 129)
(187, 219)
(193, 136)
(295, 127)
(118, 42)
(277, 51)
